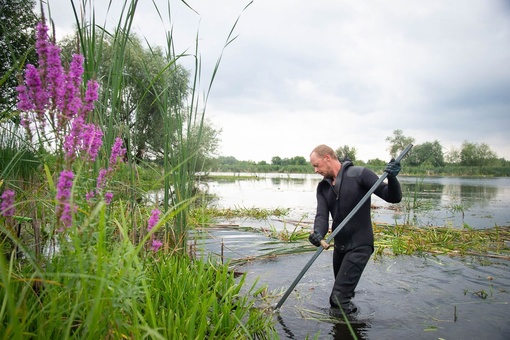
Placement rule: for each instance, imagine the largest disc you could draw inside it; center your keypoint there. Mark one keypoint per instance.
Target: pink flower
(92, 139)
(108, 197)
(101, 179)
(156, 244)
(7, 206)
(117, 151)
(64, 186)
(90, 195)
(91, 95)
(153, 220)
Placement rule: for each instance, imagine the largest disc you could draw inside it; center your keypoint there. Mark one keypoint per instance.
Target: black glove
(315, 238)
(393, 168)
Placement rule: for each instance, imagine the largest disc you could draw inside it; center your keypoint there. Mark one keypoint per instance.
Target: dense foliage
(17, 23)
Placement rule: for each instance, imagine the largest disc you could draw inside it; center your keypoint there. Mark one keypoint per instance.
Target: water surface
(404, 297)
(438, 201)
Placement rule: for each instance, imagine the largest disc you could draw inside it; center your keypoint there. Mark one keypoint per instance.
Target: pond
(421, 297)
(437, 201)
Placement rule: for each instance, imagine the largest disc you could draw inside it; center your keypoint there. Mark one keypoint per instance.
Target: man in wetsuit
(342, 187)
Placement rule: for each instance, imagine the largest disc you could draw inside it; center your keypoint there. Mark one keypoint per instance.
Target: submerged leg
(348, 269)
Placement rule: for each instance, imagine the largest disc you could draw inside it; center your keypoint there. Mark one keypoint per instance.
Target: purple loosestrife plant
(51, 94)
(64, 190)
(153, 220)
(156, 244)
(49, 90)
(117, 152)
(7, 205)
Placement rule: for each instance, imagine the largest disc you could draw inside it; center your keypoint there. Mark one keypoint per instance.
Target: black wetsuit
(355, 242)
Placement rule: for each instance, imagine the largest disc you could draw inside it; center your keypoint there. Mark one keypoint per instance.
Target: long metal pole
(337, 229)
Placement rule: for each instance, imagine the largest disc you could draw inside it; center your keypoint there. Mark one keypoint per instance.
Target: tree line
(428, 158)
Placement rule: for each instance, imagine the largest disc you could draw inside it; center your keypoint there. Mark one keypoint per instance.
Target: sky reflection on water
(440, 201)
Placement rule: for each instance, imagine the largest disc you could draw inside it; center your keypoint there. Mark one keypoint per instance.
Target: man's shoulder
(354, 170)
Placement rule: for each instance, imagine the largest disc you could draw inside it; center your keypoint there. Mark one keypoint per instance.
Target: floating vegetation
(209, 214)
(389, 239)
(406, 240)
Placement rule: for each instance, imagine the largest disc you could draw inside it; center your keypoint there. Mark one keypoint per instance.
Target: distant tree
(230, 160)
(298, 160)
(428, 153)
(398, 142)
(453, 156)
(17, 38)
(376, 162)
(474, 154)
(205, 141)
(346, 152)
(276, 160)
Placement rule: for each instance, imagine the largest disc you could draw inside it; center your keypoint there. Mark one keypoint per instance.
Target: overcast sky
(339, 72)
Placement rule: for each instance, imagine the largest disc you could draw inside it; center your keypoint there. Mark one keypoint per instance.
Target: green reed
(401, 239)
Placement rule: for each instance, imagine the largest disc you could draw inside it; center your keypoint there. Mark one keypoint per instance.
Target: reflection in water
(339, 330)
(438, 201)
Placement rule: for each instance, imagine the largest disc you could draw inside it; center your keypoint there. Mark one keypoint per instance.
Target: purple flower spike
(117, 151)
(156, 244)
(7, 206)
(64, 186)
(153, 220)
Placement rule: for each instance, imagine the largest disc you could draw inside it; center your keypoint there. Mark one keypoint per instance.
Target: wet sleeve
(394, 194)
(390, 191)
(321, 222)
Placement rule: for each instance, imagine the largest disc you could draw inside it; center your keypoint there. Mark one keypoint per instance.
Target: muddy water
(405, 297)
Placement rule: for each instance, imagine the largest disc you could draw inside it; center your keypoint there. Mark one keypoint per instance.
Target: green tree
(398, 142)
(205, 140)
(298, 160)
(376, 162)
(428, 153)
(17, 38)
(276, 160)
(346, 152)
(474, 154)
(453, 156)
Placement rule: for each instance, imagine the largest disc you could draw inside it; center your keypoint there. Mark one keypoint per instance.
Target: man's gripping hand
(393, 168)
(315, 238)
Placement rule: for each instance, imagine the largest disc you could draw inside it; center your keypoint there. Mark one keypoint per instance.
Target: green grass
(116, 294)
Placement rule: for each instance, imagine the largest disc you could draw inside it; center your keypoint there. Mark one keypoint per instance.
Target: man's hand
(315, 238)
(393, 168)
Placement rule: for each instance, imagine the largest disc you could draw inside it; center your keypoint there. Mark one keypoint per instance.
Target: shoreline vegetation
(252, 170)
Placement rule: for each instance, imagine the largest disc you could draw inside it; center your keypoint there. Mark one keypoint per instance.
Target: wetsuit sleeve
(394, 190)
(390, 192)
(321, 221)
